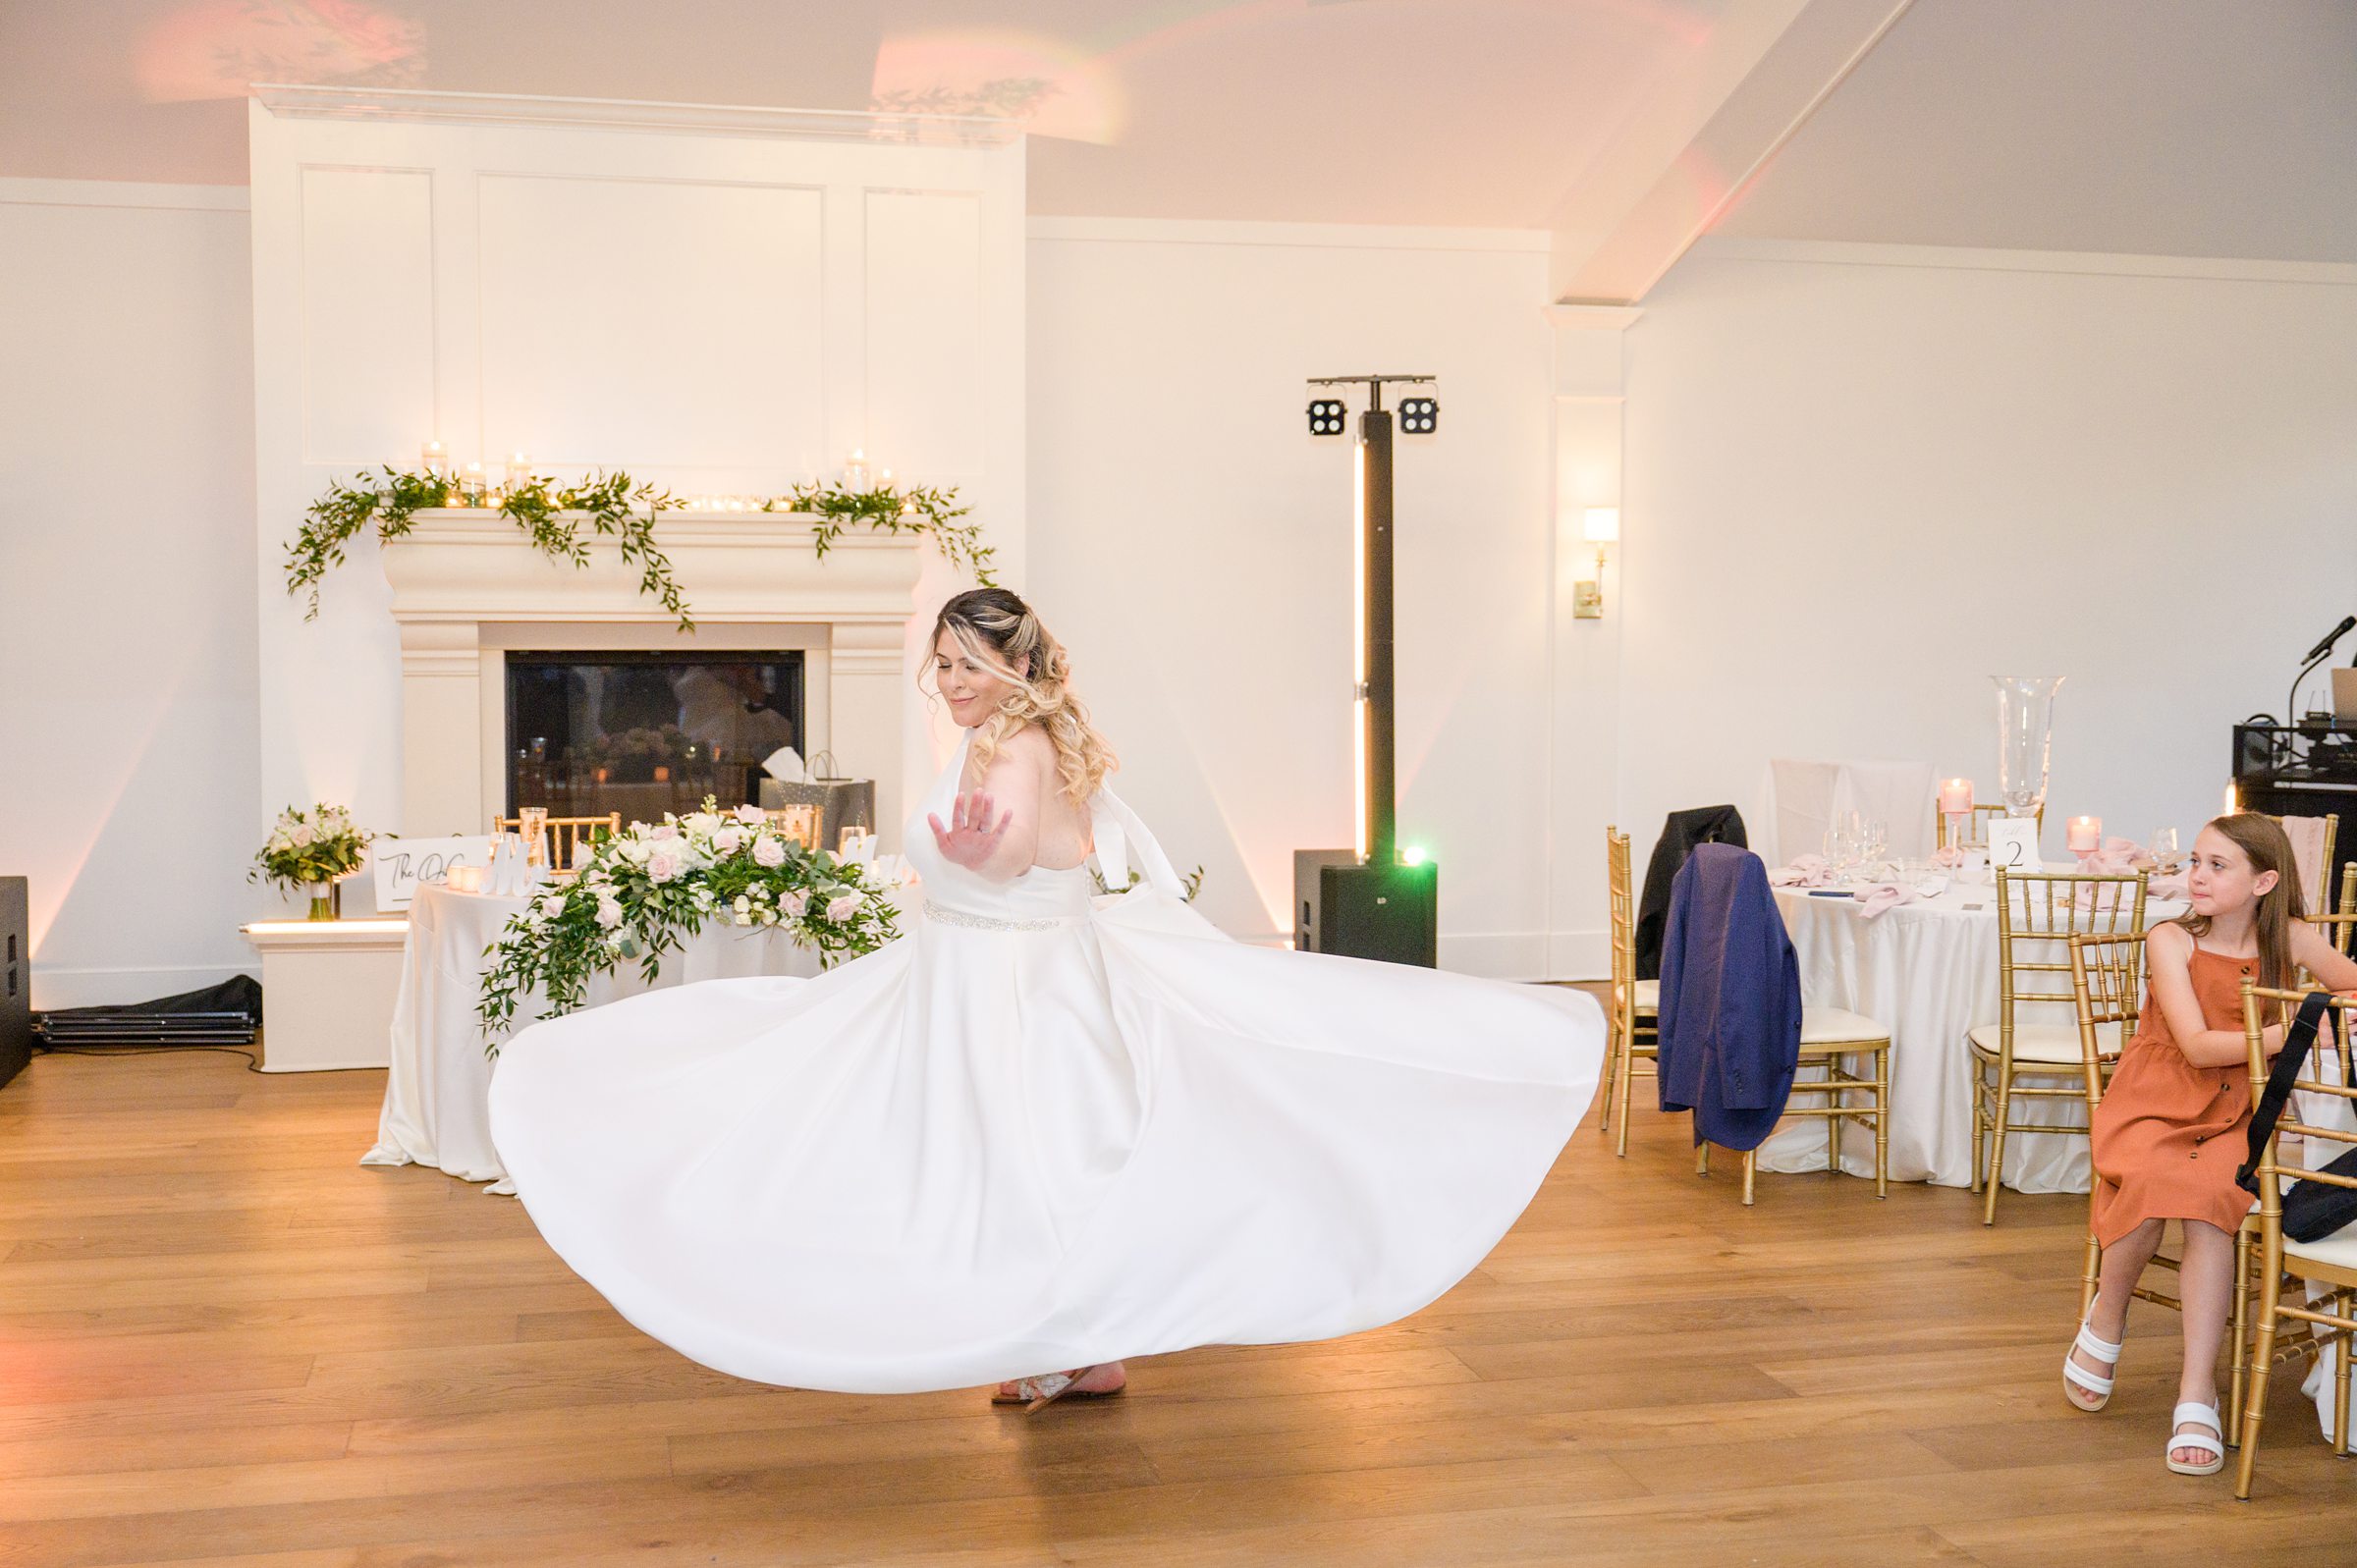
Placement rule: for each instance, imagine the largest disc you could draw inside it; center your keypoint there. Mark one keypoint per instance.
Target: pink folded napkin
(2170, 886)
(1883, 896)
(1805, 871)
(2119, 857)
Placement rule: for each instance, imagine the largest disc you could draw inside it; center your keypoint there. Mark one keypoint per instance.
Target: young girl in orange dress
(2171, 1129)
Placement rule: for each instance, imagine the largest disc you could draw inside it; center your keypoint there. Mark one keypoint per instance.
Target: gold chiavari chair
(2107, 977)
(1971, 832)
(2340, 927)
(1833, 1039)
(1630, 1034)
(2012, 1060)
(2317, 900)
(565, 836)
(2329, 1264)
(799, 822)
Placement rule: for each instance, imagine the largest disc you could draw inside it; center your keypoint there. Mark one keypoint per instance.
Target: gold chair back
(1630, 1036)
(2318, 899)
(2333, 1318)
(1971, 830)
(2039, 911)
(799, 822)
(565, 837)
(2106, 984)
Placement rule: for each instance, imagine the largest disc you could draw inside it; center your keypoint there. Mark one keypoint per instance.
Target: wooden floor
(222, 1340)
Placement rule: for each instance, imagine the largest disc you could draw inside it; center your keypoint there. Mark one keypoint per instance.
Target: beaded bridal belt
(963, 917)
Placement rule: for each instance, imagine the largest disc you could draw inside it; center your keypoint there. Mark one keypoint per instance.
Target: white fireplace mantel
(468, 586)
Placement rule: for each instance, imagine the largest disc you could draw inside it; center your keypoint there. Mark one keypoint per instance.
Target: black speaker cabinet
(16, 978)
(1390, 914)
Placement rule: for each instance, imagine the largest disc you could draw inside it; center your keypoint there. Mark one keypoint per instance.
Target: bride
(1044, 1130)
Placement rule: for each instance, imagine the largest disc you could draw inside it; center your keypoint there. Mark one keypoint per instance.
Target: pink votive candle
(2086, 835)
(1956, 797)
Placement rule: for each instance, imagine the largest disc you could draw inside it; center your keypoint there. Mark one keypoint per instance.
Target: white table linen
(1927, 971)
(1804, 799)
(438, 1093)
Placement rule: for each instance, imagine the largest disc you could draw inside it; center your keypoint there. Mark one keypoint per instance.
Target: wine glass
(1840, 847)
(1876, 841)
(2164, 849)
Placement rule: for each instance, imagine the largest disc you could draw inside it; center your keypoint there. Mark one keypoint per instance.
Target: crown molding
(295, 101)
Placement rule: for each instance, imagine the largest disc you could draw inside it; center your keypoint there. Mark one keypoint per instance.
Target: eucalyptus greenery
(920, 509)
(612, 504)
(648, 887)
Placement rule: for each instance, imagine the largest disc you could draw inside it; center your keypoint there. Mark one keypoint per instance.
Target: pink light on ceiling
(219, 49)
(1050, 88)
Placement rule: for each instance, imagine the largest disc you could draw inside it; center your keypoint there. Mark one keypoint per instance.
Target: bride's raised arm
(994, 826)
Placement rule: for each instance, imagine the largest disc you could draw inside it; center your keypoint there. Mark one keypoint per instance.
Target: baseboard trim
(106, 986)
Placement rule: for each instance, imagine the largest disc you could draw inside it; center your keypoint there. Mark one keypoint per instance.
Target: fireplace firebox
(643, 733)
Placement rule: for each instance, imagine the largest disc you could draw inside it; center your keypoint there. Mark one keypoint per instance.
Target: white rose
(703, 822)
(553, 905)
(794, 903)
(728, 840)
(750, 815)
(768, 851)
(662, 830)
(609, 913)
(635, 852)
(769, 917)
(303, 836)
(662, 865)
(843, 908)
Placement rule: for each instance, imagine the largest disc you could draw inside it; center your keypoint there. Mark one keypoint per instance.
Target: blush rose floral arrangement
(652, 884)
(313, 851)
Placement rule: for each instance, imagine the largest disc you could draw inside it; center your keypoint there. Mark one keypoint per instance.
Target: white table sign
(401, 864)
(2013, 844)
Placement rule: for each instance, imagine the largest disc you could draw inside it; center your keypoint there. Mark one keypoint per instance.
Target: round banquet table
(438, 1093)
(1927, 971)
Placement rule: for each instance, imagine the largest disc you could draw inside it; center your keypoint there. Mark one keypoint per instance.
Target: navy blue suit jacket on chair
(1730, 999)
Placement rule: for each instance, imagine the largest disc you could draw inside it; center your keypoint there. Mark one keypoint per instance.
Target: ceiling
(2170, 127)
(2215, 128)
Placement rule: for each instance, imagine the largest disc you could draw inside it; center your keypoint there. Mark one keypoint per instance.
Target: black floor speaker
(1390, 914)
(16, 978)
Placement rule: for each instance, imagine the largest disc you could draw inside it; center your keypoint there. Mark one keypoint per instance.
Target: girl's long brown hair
(2263, 841)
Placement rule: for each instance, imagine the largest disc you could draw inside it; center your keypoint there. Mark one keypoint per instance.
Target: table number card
(2013, 843)
(401, 864)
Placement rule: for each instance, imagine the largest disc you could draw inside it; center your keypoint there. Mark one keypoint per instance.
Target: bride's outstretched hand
(970, 839)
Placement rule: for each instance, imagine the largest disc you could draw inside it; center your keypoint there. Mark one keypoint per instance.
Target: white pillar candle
(2086, 835)
(1956, 797)
(434, 457)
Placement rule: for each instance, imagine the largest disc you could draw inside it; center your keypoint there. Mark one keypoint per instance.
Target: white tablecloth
(437, 1096)
(1804, 799)
(1929, 972)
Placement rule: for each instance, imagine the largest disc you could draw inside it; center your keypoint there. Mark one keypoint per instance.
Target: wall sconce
(1601, 527)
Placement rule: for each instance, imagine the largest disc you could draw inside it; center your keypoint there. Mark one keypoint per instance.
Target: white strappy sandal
(2072, 1373)
(2193, 1411)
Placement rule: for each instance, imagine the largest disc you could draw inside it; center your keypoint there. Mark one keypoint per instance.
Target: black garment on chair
(1679, 834)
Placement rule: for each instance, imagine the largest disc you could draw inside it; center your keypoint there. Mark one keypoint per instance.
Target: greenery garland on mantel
(553, 515)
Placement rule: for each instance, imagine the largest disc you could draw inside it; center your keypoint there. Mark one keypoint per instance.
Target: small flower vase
(327, 899)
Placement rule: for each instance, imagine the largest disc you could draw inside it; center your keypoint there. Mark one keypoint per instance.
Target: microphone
(2337, 632)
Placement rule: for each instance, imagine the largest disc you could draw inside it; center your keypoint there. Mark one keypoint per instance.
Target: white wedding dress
(1042, 1130)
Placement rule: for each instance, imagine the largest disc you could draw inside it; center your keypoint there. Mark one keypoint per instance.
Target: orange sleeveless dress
(2168, 1135)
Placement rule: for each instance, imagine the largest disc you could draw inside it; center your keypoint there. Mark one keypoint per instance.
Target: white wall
(128, 787)
(1862, 479)
(715, 300)
(1191, 542)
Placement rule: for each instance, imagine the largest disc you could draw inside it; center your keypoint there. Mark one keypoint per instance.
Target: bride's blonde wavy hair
(1002, 635)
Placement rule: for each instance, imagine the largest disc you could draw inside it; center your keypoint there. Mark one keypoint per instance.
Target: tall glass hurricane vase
(2025, 740)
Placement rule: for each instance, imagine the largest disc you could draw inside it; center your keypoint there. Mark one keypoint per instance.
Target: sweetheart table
(438, 1094)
